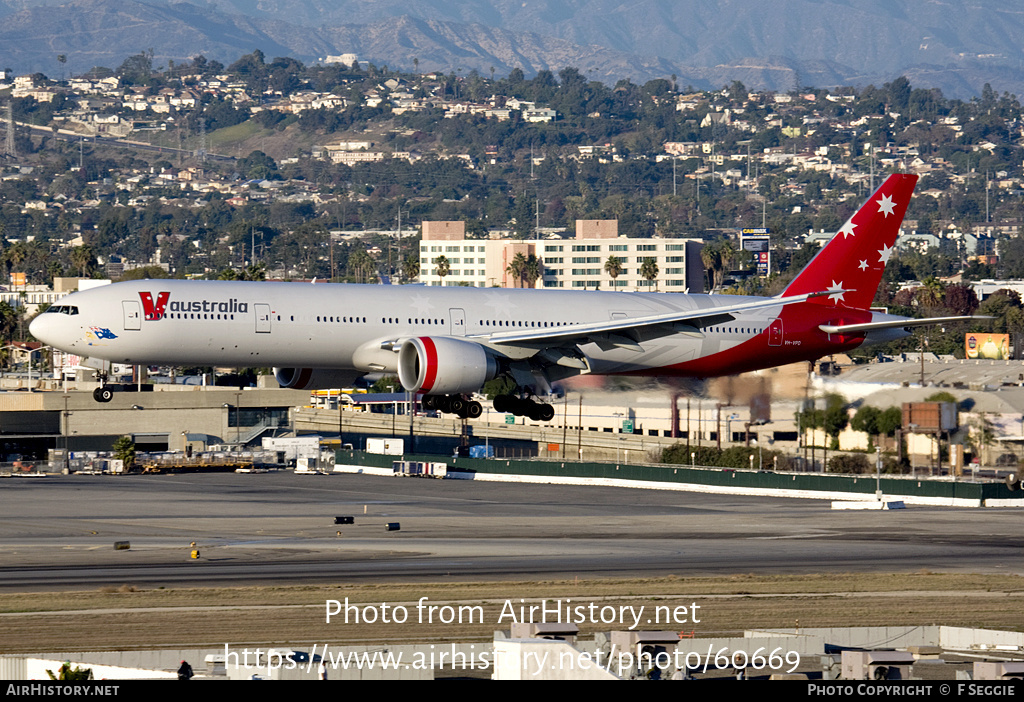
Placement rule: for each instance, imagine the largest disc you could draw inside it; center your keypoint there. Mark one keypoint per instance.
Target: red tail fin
(856, 256)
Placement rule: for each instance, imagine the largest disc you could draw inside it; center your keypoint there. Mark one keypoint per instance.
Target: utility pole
(579, 433)
(9, 149)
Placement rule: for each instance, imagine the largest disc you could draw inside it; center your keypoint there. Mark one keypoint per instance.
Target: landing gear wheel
(103, 394)
(503, 403)
(473, 409)
(546, 413)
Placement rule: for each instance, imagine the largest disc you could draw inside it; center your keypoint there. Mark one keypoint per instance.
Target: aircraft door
(132, 315)
(262, 318)
(775, 332)
(458, 321)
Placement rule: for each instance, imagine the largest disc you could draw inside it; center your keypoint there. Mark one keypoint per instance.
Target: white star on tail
(847, 229)
(837, 292)
(884, 253)
(863, 265)
(886, 205)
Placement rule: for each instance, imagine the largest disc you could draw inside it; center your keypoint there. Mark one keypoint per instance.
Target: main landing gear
(453, 404)
(537, 411)
(471, 409)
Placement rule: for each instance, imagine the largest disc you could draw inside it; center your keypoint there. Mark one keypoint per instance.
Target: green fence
(717, 477)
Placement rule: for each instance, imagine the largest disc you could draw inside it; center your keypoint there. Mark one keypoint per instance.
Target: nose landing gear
(103, 393)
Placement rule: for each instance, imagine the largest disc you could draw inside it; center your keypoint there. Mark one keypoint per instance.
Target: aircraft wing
(892, 324)
(617, 332)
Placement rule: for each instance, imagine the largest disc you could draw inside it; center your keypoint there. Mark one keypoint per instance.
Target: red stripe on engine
(430, 369)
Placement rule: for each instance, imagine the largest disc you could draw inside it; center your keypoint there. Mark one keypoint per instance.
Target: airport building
(573, 263)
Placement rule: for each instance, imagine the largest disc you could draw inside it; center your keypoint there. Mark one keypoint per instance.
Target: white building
(572, 263)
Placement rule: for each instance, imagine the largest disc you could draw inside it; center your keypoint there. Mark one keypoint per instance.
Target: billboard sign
(758, 243)
(985, 345)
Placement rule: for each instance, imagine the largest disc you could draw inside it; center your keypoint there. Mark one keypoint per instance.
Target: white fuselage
(262, 324)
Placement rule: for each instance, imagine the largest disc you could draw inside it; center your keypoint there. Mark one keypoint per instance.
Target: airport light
(64, 431)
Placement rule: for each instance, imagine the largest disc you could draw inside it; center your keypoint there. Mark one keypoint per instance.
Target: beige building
(577, 263)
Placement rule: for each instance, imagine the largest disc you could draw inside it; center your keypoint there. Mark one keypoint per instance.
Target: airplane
(444, 343)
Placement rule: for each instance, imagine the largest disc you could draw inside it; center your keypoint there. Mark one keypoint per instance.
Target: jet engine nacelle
(441, 365)
(314, 378)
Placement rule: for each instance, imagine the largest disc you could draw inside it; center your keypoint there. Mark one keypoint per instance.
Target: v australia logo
(154, 310)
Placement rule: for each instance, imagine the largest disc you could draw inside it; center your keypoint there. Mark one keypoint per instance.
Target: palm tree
(727, 252)
(931, 293)
(411, 267)
(9, 320)
(16, 255)
(443, 267)
(255, 271)
(82, 258)
(361, 265)
(533, 270)
(649, 271)
(516, 269)
(613, 267)
(712, 260)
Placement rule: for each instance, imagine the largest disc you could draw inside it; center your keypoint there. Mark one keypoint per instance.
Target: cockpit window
(63, 309)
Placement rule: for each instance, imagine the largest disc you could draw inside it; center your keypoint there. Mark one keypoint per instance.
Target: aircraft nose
(42, 328)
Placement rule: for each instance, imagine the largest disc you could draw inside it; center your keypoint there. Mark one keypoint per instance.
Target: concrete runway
(57, 533)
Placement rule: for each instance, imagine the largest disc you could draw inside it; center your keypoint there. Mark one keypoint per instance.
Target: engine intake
(441, 365)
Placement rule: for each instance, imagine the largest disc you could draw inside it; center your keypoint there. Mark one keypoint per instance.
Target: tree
(712, 260)
(386, 383)
(124, 450)
(649, 271)
(144, 273)
(931, 294)
(67, 673)
(613, 267)
(137, 69)
(532, 271)
(444, 267)
(961, 299)
(257, 166)
(9, 321)
(866, 420)
(835, 418)
(890, 420)
(361, 266)
(82, 258)
(516, 269)
(411, 267)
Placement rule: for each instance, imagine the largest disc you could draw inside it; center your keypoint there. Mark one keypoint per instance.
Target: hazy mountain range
(955, 45)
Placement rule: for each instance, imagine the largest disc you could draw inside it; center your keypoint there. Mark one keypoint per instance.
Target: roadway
(57, 533)
(69, 135)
